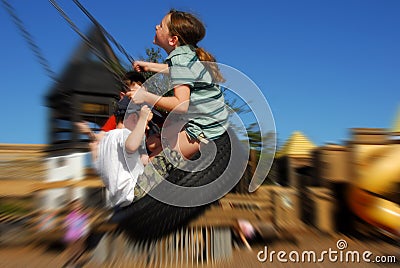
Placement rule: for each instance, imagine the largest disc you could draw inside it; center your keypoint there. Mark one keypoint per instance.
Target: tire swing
(149, 219)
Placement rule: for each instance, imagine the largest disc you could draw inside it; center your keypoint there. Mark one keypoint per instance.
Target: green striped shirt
(207, 113)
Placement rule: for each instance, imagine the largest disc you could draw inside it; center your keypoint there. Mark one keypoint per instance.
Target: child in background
(76, 231)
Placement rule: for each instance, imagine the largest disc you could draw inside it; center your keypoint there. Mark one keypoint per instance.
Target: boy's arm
(95, 138)
(84, 128)
(93, 149)
(135, 138)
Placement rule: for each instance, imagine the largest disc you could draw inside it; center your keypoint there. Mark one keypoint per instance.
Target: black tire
(149, 219)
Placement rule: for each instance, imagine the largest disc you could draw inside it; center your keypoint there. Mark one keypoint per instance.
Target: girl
(194, 76)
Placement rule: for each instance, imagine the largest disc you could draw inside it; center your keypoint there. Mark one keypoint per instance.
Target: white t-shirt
(118, 169)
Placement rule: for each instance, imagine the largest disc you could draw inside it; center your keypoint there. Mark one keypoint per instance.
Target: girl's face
(163, 38)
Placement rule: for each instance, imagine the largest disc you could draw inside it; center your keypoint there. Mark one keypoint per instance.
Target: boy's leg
(157, 170)
(153, 144)
(166, 154)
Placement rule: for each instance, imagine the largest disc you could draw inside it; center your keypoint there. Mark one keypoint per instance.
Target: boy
(131, 81)
(116, 157)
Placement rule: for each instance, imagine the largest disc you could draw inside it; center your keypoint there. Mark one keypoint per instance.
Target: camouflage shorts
(157, 170)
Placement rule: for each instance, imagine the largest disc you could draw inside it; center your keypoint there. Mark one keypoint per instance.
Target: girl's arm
(144, 66)
(178, 103)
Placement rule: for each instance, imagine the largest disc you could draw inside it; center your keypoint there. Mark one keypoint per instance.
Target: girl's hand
(144, 66)
(137, 95)
(140, 66)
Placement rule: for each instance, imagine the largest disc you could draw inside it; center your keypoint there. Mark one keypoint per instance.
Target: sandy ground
(40, 256)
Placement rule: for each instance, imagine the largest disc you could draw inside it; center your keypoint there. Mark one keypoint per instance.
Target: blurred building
(86, 90)
(323, 175)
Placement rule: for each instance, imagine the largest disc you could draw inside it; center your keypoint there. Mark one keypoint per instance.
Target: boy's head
(130, 79)
(124, 107)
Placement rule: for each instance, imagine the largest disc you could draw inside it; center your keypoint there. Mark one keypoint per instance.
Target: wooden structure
(86, 90)
(332, 164)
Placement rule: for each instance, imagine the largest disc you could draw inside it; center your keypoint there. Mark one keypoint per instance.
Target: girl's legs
(177, 140)
(186, 146)
(174, 139)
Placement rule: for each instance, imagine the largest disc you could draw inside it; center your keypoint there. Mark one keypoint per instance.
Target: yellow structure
(295, 153)
(362, 176)
(298, 145)
(396, 123)
(377, 172)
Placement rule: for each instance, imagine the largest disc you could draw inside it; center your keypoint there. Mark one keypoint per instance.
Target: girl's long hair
(190, 30)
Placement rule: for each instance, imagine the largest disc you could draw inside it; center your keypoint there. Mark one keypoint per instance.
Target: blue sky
(323, 66)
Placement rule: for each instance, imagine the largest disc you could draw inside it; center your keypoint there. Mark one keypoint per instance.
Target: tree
(156, 83)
